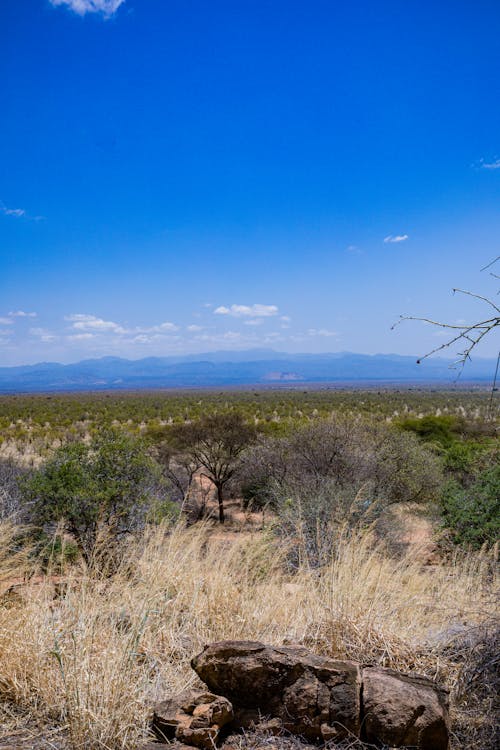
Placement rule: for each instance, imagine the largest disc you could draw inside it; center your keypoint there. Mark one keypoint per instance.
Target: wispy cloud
(396, 238)
(161, 328)
(107, 8)
(151, 338)
(495, 164)
(18, 213)
(250, 311)
(21, 314)
(6, 321)
(43, 334)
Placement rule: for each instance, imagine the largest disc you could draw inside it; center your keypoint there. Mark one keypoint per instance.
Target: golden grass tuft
(94, 655)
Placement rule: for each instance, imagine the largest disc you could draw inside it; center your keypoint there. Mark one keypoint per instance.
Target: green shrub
(104, 485)
(472, 514)
(442, 430)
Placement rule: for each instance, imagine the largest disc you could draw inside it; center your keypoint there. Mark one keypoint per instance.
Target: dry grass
(93, 659)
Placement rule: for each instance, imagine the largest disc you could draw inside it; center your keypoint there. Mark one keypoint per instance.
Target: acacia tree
(214, 444)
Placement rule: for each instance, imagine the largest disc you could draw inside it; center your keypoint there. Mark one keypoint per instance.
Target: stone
(313, 696)
(404, 711)
(192, 718)
(290, 691)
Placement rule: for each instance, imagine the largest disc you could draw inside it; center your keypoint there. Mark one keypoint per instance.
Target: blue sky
(185, 176)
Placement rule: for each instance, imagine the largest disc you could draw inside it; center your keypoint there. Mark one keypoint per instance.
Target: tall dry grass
(95, 655)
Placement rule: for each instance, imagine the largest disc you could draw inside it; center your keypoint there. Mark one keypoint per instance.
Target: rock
(192, 718)
(315, 697)
(404, 711)
(322, 699)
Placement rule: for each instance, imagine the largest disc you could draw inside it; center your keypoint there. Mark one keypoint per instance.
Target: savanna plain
(137, 527)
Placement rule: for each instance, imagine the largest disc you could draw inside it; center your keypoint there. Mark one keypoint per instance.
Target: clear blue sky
(190, 175)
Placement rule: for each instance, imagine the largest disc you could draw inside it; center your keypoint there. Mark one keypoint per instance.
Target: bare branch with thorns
(470, 335)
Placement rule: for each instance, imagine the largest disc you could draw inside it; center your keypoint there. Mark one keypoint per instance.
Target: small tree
(214, 444)
(88, 487)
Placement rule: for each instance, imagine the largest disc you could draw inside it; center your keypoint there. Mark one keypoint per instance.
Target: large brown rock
(193, 718)
(324, 699)
(404, 711)
(313, 696)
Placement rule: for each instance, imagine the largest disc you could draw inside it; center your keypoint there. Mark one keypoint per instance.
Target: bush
(472, 514)
(332, 474)
(442, 430)
(109, 484)
(353, 454)
(312, 516)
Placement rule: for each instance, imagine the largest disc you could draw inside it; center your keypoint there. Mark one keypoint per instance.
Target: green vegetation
(213, 445)
(105, 487)
(472, 513)
(317, 458)
(42, 420)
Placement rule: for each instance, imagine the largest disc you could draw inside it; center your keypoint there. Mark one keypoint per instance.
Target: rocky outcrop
(192, 718)
(315, 697)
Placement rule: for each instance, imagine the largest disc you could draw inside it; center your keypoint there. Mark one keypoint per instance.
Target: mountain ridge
(242, 368)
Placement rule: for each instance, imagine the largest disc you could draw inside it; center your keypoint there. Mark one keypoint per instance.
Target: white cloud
(495, 164)
(396, 238)
(321, 332)
(81, 7)
(194, 328)
(251, 311)
(22, 314)
(83, 322)
(43, 334)
(167, 326)
(17, 212)
(5, 321)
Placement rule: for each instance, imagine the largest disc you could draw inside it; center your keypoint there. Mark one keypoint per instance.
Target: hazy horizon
(238, 355)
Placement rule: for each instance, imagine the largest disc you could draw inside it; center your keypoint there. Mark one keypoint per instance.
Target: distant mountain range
(244, 368)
